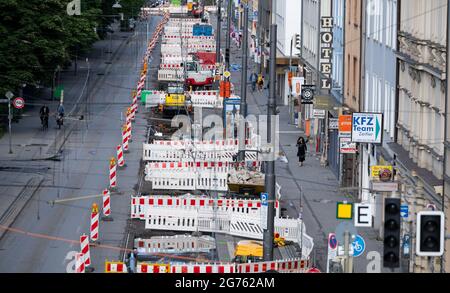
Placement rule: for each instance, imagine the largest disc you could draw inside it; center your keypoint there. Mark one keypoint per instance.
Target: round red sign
(19, 103)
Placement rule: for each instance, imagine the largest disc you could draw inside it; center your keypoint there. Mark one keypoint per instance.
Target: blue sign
(367, 128)
(404, 211)
(332, 241)
(359, 246)
(264, 199)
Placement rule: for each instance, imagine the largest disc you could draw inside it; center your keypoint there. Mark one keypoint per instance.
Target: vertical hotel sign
(326, 52)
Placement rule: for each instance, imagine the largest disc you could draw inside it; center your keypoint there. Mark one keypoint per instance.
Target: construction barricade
(174, 244)
(115, 267)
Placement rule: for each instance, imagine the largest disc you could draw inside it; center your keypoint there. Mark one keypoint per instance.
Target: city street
(41, 237)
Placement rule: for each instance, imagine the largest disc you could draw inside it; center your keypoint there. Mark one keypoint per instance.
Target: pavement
(72, 162)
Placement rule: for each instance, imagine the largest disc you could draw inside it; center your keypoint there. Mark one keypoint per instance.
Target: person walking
(254, 80)
(302, 149)
(260, 82)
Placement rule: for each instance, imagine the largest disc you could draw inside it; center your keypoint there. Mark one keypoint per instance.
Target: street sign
(264, 210)
(333, 124)
(346, 146)
(319, 114)
(343, 227)
(359, 246)
(297, 85)
(332, 241)
(19, 103)
(4, 101)
(384, 186)
(404, 211)
(367, 128)
(227, 74)
(344, 211)
(332, 249)
(363, 215)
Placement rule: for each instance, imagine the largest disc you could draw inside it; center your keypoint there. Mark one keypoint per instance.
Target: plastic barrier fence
(174, 244)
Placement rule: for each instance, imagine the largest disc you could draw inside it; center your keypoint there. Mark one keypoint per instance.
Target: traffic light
(391, 254)
(298, 42)
(430, 233)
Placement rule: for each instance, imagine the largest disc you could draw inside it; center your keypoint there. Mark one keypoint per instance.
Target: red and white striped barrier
(140, 204)
(84, 244)
(79, 263)
(106, 203)
(144, 268)
(279, 266)
(115, 267)
(94, 224)
(200, 165)
(120, 159)
(171, 66)
(125, 138)
(203, 269)
(112, 173)
(129, 125)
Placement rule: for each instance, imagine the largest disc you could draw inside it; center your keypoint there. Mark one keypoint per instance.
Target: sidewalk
(29, 141)
(312, 186)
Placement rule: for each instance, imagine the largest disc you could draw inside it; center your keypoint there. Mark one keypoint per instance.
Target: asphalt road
(43, 236)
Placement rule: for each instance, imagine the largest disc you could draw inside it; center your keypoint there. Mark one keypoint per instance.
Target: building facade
(420, 125)
(380, 34)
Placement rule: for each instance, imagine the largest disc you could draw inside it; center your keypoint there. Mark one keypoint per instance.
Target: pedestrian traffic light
(391, 254)
(298, 42)
(430, 233)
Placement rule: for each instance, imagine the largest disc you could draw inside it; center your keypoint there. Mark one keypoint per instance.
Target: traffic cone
(112, 174)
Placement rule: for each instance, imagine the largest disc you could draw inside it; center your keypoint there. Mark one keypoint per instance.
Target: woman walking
(302, 149)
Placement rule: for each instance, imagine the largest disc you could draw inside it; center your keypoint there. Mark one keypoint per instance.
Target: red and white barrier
(84, 244)
(79, 263)
(171, 66)
(106, 203)
(293, 266)
(112, 173)
(203, 269)
(94, 224)
(144, 268)
(115, 267)
(125, 142)
(120, 159)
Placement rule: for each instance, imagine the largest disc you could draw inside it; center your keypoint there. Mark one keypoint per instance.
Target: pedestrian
(254, 80)
(44, 112)
(302, 149)
(260, 82)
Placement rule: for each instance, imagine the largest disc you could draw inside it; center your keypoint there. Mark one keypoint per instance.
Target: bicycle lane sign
(359, 246)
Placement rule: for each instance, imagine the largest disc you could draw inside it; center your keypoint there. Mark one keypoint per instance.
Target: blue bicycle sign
(359, 246)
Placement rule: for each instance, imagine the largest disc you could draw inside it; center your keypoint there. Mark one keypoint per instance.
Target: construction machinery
(175, 101)
(248, 251)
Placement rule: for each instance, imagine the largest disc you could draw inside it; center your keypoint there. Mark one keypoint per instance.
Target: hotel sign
(326, 52)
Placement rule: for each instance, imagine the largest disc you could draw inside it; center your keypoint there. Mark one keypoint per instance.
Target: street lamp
(9, 95)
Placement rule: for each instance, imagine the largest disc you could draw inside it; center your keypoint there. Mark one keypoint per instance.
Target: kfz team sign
(367, 128)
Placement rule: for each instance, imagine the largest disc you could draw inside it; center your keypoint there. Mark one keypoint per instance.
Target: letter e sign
(363, 215)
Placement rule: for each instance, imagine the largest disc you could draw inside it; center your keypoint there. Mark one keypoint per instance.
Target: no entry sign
(19, 103)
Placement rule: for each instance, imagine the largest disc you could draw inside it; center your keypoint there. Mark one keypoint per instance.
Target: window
(355, 81)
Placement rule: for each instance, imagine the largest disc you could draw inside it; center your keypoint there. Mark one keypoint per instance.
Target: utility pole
(227, 51)
(10, 95)
(270, 178)
(218, 33)
(243, 109)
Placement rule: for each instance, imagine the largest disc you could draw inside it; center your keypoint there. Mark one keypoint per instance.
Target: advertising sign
(297, 83)
(367, 128)
(347, 146)
(345, 125)
(375, 170)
